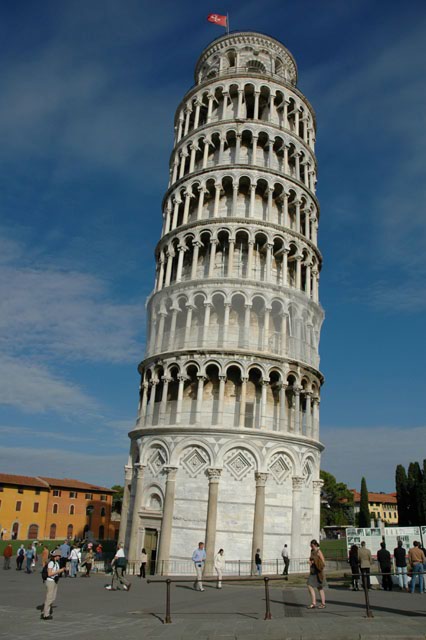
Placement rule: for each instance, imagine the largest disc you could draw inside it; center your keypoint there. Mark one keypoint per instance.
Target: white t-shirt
(74, 554)
(53, 566)
(120, 553)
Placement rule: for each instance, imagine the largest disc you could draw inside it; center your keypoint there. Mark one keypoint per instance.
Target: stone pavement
(85, 610)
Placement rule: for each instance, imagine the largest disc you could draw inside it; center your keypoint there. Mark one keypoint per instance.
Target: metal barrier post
(366, 594)
(168, 617)
(268, 605)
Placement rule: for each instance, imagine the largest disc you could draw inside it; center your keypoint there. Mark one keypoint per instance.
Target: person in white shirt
(286, 558)
(120, 562)
(219, 565)
(51, 583)
(199, 558)
(74, 559)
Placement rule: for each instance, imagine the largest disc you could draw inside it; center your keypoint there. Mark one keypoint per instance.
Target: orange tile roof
(388, 498)
(70, 483)
(23, 481)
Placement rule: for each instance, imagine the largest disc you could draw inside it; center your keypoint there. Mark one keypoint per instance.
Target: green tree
(364, 511)
(414, 488)
(402, 496)
(117, 498)
(336, 501)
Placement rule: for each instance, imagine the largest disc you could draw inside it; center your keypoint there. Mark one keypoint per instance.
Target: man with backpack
(51, 574)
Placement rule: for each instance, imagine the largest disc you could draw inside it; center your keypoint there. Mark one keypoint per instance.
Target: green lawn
(334, 549)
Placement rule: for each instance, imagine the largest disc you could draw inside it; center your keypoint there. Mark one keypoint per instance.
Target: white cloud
(33, 387)
(370, 452)
(60, 463)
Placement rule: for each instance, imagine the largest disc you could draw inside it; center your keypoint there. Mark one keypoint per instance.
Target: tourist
(385, 564)
(219, 565)
(258, 562)
(399, 554)
(99, 551)
(316, 579)
(7, 554)
(45, 556)
(354, 564)
(29, 555)
(65, 550)
(286, 558)
(144, 560)
(199, 558)
(364, 557)
(88, 561)
(417, 559)
(119, 562)
(20, 557)
(74, 559)
(51, 584)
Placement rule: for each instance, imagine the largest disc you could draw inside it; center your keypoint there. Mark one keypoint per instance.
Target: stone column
(188, 324)
(181, 379)
(144, 400)
(250, 260)
(226, 323)
(151, 405)
(234, 198)
(270, 192)
(212, 259)
(316, 511)
(243, 402)
(297, 165)
(207, 307)
(188, 196)
(181, 254)
(238, 148)
(167, 522)
(240, 103)
(296, 529)
(160, 275)
(254, 150)
(199, 405)
(222, 381)
(170, 257)
(252, 199)
(218, 188)
(163, 404)
(222, 141)
(265, 337)
(183, 163)
(194, 148)
(262, 421)
(247, 325)
(231, 258)
(285, 267)
(201, 192)
(296, 392)
(283, 337)
(210, 107)
(197, 114)
(206, 152)
(298, 272)
(285, 210)
(269, 249)
(125, 504)
(285, 149)
(308, 280)
(160, 333)
(214, 478)
(134, 551)
(256, 105)
(188, 112)
(297, 205)
(174, 311)
(195, 251)
(259, 515)
(283, 415)
(315, 417)
(180, 128)
(308, 414)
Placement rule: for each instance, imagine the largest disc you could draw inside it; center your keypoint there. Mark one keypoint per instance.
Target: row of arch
(208, 255)
(235, 321)
(253, 197)
(255, 148)
(245, 100)
(222, 396)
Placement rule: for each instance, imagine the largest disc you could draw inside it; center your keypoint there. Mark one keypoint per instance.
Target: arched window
(70, 530)
(72, 510)
(52, 532)
(33, 532)
(103, 511)
(256, 65)
(55, 508)
(101, 532)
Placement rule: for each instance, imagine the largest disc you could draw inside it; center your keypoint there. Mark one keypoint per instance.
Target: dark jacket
(384, 559)
(400, 557)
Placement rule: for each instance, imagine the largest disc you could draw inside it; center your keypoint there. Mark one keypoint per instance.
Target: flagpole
(227, 24)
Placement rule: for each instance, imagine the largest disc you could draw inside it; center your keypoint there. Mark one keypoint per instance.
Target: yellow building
(382, 506)
(23, 507)
(53, 508)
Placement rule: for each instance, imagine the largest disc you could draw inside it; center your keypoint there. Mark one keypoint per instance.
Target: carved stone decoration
(239, 464)
(307, 472)
(280, 467)
(194, 462)
(157, 461)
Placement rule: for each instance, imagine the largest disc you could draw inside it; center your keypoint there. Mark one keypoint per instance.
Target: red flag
(217, 19)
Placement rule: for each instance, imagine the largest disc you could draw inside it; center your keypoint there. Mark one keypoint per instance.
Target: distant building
(41, 507)
(382, 506)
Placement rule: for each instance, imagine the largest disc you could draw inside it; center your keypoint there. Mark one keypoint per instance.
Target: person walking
(7, 554)
(88, 561)
(286, 558)
(219, 565)
(144, 560)
(354, 564)
(73, 562)
(400, 557)
(119, 562)
(51, 583)
(65, 550)
(385, 563)
(199, 558)
(417, 559)
(364, 557)
(316, 579)
(20, 558)
(258, 562)
(29, 555)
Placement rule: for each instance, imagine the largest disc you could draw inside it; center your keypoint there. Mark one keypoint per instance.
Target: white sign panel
(406, 534)
(371, 537)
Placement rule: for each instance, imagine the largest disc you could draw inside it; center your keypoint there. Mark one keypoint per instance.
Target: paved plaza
(86, 610)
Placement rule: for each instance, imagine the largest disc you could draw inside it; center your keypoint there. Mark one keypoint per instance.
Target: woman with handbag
(316, 577)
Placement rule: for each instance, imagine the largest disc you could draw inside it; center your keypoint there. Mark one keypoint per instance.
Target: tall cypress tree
(364, 511)
(402, 498)
(414, 486)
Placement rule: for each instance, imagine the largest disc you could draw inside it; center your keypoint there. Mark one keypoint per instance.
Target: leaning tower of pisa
(226, 445)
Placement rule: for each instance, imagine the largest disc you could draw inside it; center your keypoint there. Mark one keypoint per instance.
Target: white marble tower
(226, 444)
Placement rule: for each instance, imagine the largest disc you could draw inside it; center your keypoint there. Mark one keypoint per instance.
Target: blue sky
(87, 98)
